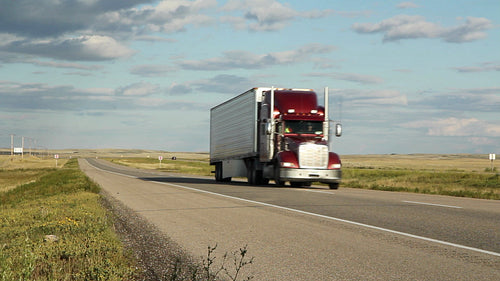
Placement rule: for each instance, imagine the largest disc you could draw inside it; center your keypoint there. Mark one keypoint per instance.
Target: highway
(316, 233)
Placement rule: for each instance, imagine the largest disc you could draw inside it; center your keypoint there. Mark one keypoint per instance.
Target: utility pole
(12, 144)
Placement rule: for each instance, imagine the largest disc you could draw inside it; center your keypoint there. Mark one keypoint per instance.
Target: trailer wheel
(218, 171)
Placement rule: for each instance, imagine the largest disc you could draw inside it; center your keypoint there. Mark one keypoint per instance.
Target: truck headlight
(287, 165)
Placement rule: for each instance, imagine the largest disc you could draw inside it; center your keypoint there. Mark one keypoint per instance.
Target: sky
(404, 77)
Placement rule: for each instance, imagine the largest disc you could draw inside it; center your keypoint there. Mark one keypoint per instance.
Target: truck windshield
(303, 127)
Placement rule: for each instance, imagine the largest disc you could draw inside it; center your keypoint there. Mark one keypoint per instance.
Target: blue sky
(404, 77)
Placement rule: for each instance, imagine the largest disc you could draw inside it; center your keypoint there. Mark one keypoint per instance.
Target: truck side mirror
(338, 130)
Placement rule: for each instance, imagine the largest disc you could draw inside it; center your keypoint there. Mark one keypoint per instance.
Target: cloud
(266, 15)
(483, 67)
(41, 97)
(152, 70)
(406, 5)
(457, 127)
(167, 16)
(413, 27)
(92, 30)
(138, 89)
(355, 98)
(248, 60)
(463, 100)
(223, 84)
(352, 77)
(180, 89)
(37, 19)
(82, 48)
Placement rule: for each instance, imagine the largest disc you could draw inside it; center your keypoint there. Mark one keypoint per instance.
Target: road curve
(316, 234)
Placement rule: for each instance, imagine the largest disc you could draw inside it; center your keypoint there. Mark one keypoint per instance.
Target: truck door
(266, 134)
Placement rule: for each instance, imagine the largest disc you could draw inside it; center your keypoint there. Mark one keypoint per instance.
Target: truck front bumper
(310, 175)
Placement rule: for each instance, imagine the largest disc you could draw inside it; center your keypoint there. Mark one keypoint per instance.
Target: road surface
(316, 233)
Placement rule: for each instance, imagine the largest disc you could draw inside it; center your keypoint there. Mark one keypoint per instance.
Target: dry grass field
(427, 162)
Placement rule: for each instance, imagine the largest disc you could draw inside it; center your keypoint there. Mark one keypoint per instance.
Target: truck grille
(313, 156)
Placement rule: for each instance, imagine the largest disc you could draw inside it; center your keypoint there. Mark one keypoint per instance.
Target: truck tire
(254, 176)
(251, 175)
(334, 185)
(277, 180)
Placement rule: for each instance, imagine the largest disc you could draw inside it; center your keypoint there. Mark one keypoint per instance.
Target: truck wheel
(334, 185)
(251, 172)
(277, 176)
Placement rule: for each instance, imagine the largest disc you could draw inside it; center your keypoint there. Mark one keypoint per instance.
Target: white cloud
(81, 48)
(412, 27)
(167, 16)
(463, 100)
(352, 77)
(407, 5)
(355, 98)
(138, 89)
(457, 127)
(248, 60)
(152, 70)
(483, 67)
(266, 15)
(102, 47)
(92, 30)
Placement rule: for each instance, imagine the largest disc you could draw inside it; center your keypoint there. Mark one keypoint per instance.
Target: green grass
(11, 178)
(453, 183)
(65, 203)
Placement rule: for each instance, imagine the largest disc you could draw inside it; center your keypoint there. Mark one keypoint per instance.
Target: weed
(239, 259)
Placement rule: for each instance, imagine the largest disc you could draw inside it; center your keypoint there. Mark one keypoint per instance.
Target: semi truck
(277, 134)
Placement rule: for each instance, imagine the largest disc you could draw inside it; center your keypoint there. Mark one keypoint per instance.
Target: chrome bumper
(310, 175)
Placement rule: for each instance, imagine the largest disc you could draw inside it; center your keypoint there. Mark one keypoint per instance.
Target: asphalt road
(316, 233)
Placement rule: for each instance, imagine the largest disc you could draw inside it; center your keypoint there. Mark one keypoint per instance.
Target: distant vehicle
(274, 134)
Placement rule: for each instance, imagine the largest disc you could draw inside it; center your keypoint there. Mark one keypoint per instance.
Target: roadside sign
(160, 158)
(492, 156)
(56, 156)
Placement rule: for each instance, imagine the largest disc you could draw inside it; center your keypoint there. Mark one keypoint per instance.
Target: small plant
(239, 259)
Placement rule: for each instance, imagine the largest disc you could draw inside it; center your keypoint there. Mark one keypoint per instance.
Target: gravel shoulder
(157, 256)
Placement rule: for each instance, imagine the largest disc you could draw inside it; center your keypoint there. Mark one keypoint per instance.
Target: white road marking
(321, 216)
(317, 191)
(431, 204)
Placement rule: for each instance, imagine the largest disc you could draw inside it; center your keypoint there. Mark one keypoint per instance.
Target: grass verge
(64, 204)
(183, 166)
